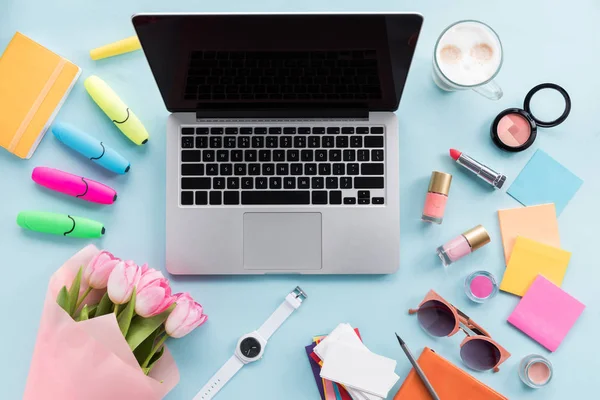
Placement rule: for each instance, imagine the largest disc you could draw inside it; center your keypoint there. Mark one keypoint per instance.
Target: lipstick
(484, 172)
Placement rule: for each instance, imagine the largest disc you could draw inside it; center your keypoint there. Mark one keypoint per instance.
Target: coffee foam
(469, 53)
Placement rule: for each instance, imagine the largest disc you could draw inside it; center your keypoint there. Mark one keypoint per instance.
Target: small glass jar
(480, 286)
(437, 196)
(536, 371)
(462, 245)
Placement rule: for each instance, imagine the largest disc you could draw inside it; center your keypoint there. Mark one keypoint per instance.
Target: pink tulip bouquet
(103, 330)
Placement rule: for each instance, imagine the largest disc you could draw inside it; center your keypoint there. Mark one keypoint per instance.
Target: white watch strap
(278, 317)
(227, 371)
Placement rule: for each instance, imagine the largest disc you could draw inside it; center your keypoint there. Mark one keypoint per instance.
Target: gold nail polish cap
(477, 237)
(440, 182)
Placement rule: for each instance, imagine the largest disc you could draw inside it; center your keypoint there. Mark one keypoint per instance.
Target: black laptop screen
(228, 61)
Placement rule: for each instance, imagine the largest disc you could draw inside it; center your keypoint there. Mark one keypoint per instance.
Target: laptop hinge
(281, 111)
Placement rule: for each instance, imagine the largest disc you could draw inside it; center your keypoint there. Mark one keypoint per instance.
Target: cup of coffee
(468, 55)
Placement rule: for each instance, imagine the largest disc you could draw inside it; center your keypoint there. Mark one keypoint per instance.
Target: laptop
(282, 144)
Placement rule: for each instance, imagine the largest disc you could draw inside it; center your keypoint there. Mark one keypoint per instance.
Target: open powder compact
(515, 129)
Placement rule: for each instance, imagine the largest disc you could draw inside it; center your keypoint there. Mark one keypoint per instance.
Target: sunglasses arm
(412, 311)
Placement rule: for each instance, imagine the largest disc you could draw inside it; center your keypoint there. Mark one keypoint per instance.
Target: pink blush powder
(481, 286)
(539, 373)
(513, 130)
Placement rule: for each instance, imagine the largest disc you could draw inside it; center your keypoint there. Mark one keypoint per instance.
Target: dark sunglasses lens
(480, 355)
(436, 318)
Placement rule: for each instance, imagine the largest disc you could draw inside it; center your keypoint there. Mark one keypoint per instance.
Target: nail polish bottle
(462, 245)
(437, 196)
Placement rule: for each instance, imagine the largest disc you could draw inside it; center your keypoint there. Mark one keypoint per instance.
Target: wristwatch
(251, 347)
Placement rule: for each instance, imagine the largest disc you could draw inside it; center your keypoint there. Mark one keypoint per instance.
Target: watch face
(250, 347)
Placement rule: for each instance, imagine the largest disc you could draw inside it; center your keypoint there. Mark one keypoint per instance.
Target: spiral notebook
(34, 83)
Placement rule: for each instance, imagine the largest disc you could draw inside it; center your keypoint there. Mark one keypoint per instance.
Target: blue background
(543, 41)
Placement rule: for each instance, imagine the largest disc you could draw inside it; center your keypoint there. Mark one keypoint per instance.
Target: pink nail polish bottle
(437, 196)
(462, 245)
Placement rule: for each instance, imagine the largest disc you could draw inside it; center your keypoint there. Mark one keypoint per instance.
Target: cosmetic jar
(535, 371)
(480, 286)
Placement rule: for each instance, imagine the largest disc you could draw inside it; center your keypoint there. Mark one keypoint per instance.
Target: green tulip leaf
(141, 327)
(92, 311)
(104, 307)
(63, 298)
(154, 360)
(145, 348)
(74, 292)
(84, 314)
(126, 315)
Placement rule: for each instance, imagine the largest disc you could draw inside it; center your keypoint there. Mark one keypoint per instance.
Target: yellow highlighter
(113, 106)
(117, 48)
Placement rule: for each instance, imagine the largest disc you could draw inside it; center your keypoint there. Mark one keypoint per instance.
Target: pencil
(418, 369)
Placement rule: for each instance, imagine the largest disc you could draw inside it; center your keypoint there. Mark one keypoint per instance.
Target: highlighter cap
(477, 237)
(440, 182)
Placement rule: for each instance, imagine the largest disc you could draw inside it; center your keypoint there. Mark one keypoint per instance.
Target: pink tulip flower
(96, 273)
(153, 293)
(187, 316)
(122, 280)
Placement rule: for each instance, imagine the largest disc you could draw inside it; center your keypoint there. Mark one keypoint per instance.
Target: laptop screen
(232, 61)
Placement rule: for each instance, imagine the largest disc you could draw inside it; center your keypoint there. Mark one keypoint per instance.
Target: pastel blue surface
(545, 180)
(544, 41)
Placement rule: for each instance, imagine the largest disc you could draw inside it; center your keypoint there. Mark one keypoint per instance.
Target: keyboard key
(331, 182)
(231, 131)
(303, 183)
(268, 169)
(237, 155)
(192, 169)
(201, 131)
(260, 131)
(233, 183)
(187, 131)
(246, 131)
(339, 169)
(243, 142)
(215, 198)
(320, 155)
(250, 155)
(285, 142)
(373, 141)
(362, 130)
(362, 194)
(371, 169)
(282, 169)
(207, 156)
(254, 169)
(247, 183)
(296, 169)
(368, 182)
(187, 198)
(216, 142)
(314, 142)
(335, 197)
(318, 182)
(201, 142)
(187, 142)
(222, 156)
(231, 198)
(363, 155)
(347, 130)
(304, 131)
(324, 169)
(377, 155)
(352, 169)
(306, 155)
(239, 169)
(261, 182)
(272, 142)
(218, 183)
(195, 183)
(356, 141)
(328, 142)
(364, 201)
(341, 142)
(275, 183)
(345, 183)
(349, 200)
(333, 130)
(230, 142)
(278, 155)
(293, 155)
(310, 169)
(349, 155)
(377, 200)
(226, 169)
(258, 142)
(335, 155)
(289, 183)
(318, 131)
(201, 198)
(255, 197)
(377, 129)
(319, 197)
(289, 131)
(190, 155)
(264, 155)
(274, 131)
(216, 131)
(299, 142)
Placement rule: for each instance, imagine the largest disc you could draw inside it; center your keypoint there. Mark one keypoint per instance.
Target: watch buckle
(299, 294)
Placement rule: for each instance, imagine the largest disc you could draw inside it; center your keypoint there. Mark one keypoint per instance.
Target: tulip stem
(117, 309)
(156, 347)
(87, 291)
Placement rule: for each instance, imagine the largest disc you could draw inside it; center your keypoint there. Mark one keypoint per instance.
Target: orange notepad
(34, 83)
(449, 382)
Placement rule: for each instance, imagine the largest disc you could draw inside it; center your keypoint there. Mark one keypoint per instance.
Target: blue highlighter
(91, 148)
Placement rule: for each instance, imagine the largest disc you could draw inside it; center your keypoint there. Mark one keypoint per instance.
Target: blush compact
(515, 129)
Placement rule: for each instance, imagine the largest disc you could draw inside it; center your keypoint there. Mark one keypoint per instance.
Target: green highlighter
(60, 224)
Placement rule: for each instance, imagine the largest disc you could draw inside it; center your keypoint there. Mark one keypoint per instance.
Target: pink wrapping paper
(90, 359)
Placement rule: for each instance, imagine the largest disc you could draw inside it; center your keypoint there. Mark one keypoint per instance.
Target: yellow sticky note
(536, 222)
(529, 259)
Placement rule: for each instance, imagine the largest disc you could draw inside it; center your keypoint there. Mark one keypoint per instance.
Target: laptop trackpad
(282, 241)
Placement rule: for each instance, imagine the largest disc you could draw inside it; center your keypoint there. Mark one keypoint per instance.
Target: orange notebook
(449, 382)
(34, 83)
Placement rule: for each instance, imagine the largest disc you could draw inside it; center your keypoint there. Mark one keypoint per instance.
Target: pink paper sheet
(546, 313)
(91, 359)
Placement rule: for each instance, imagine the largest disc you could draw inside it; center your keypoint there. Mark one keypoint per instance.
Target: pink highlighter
(74, 185)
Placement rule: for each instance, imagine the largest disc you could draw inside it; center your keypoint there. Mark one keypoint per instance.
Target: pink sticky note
(546, 313)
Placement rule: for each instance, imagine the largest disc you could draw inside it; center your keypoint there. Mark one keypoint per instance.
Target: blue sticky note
(545, 180)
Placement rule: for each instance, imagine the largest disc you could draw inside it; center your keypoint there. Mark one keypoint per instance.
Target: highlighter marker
(91, 148)
(73, 185)
(117, 48)
(484, 172)
(60, 224)
(116, 110)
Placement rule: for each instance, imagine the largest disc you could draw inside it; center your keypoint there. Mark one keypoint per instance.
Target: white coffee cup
(468, 55)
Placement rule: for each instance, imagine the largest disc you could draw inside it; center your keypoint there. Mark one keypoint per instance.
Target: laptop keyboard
(285, 165)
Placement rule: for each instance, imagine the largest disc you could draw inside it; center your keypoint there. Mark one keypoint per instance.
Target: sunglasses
(439, 318)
